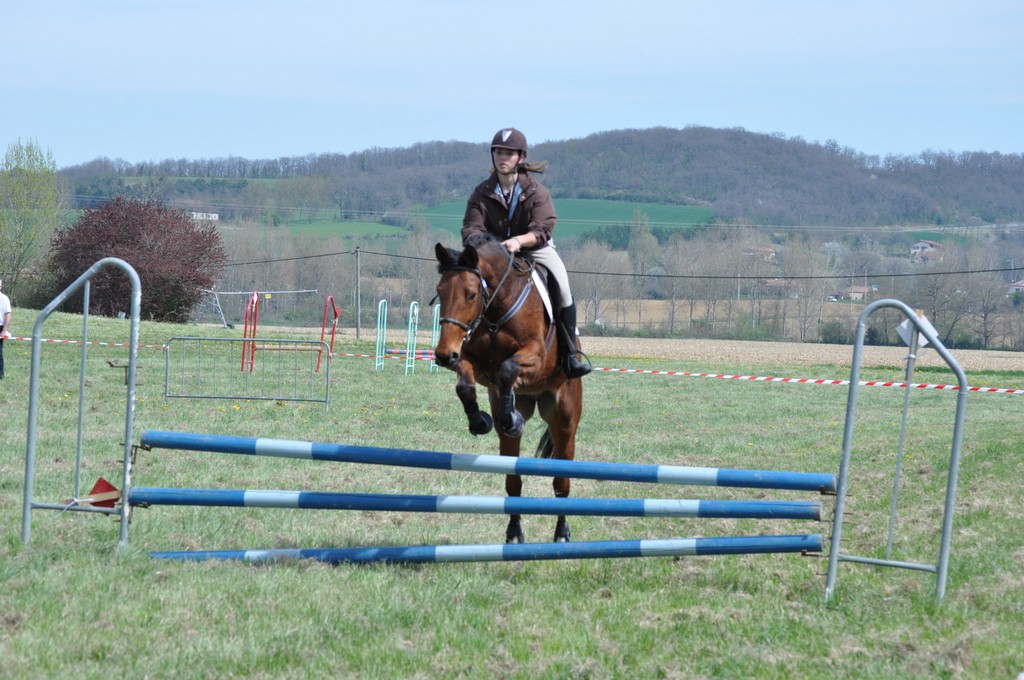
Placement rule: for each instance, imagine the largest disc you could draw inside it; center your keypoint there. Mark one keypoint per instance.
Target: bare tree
(943, 294)
(753, 262)
(590, 288)
(858, 264)
(681, 262)
(805, 267)
(987, 293)
(644, 255)
(418, 263)
(834, 252)
(716, 284)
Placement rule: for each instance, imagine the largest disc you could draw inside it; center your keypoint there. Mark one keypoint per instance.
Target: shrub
(175, 257)
(832, 332)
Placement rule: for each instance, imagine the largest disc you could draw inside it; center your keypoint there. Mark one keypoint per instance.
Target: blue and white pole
(672, 547)
(603, 507)
(574, 469)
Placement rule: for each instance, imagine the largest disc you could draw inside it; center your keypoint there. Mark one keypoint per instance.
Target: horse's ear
(443, 254)
(446, 257)
(469, 258)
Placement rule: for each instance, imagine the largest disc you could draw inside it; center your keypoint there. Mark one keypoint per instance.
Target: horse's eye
(471, 297)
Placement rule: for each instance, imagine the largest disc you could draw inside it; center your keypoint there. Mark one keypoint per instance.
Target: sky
(149, 80)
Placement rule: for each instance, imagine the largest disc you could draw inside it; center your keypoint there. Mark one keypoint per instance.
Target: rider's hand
(514, 245)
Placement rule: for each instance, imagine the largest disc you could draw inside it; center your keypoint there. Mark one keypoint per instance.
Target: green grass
(71, 605)
(576, 217)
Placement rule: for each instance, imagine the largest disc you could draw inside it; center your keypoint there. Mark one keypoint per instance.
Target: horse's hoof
(563, 535)
(514, 535)
(514, 427)
(480, 424)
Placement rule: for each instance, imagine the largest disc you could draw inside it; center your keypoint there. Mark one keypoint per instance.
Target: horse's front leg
(510, 421)
(479, 421)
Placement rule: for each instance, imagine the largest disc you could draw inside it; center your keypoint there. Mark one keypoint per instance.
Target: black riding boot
(574, 368)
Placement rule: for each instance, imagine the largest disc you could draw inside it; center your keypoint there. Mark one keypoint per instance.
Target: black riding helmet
(509, 138)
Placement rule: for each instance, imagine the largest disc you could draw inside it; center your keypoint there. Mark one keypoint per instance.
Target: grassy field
(575, 218)
(579, 216)
(73, 606)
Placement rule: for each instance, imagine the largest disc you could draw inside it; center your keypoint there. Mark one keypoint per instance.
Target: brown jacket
(486, 211)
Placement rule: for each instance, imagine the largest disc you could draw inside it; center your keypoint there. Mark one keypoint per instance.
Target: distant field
(575, 218)
(579, 216)
(941, 236)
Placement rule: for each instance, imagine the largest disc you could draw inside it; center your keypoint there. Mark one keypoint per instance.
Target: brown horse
(495, 332)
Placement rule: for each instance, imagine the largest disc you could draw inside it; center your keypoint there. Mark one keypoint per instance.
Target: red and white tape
(813, 381)
(88, 342)
(683, 374)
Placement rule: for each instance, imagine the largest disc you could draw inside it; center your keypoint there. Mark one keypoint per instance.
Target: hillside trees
(764, 190)
(175, 257)
(30, 205)
(744, 177)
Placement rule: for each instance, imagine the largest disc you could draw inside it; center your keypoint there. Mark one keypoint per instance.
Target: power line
(343, 252)
(288, 259)
(696, 277)
(734, 277)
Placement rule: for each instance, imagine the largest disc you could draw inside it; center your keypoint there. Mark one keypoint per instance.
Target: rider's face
(505, 160)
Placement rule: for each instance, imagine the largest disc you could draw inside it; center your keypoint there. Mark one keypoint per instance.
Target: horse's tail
(545, 447)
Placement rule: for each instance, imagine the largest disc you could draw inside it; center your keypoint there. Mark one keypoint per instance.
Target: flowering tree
(175, 257)
(30, 206)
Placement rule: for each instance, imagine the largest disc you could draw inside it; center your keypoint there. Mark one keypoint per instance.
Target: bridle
(488, 298)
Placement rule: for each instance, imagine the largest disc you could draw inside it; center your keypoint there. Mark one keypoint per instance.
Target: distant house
(923, 251)
(765, 253)
(854, 293)
(1016, 287)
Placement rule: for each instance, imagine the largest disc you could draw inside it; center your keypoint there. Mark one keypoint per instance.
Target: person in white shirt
(5, 324)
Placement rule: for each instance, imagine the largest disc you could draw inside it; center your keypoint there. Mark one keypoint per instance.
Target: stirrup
(577, 369)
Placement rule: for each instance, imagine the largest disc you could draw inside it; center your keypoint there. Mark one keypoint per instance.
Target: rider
(518, 210)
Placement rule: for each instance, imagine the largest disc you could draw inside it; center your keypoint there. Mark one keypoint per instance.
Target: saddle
(539, 274)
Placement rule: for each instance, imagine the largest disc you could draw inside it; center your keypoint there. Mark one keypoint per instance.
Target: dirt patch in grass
(726, 352)
(734, 352)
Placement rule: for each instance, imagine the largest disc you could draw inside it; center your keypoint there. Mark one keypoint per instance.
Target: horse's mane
(484, 244)
(482, 241)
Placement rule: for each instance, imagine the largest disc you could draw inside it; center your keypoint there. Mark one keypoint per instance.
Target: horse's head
(462, 293)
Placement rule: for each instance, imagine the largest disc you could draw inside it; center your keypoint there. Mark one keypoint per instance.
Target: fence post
(410, 343)
(382, 332)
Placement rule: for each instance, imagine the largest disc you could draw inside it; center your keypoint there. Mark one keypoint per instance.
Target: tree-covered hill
(743, 177)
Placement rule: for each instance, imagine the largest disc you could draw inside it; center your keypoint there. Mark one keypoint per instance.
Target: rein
(489, 298)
